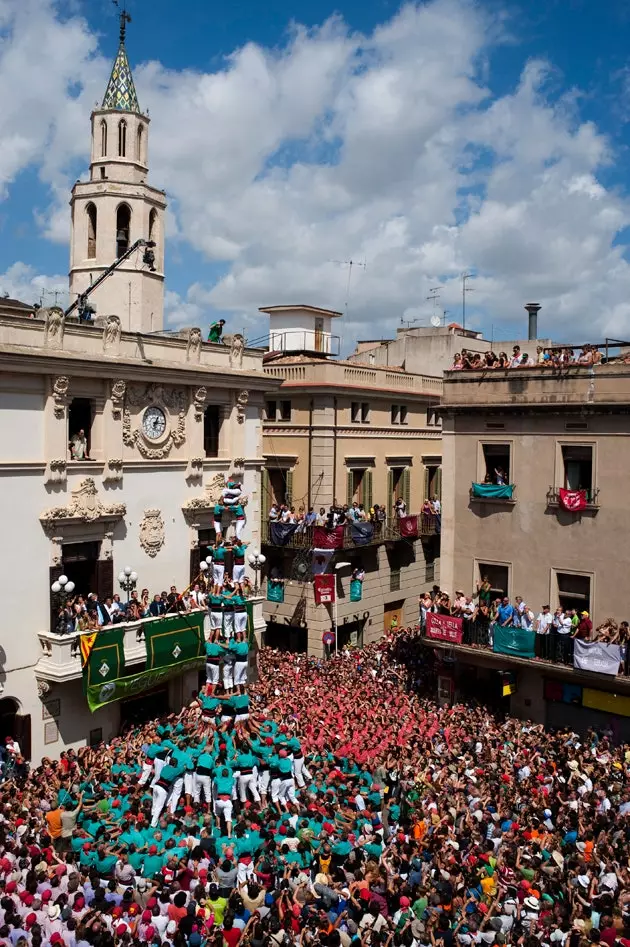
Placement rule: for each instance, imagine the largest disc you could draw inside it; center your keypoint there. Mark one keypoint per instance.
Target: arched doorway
(16, 725)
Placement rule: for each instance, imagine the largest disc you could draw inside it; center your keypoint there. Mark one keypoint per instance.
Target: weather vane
(124, 18)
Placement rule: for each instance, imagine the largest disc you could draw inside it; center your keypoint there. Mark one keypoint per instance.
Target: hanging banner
(172, 640)
(572, 500)
(100, 694)
(408, 526)
(356, 590)
(281, 533)
(361, 533)
(275, 591)
(324, 586)
(444, 628)
(328, 538)
(493, 491)
(321, 558)
(106, 660)
(516, 641)
(597, 656)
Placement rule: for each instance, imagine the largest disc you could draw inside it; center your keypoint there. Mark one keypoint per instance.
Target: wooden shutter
(437, 489)
(427, 484)
(367, 489)
(288, 493)
(390, 493)
(349, 487)
(23, 731)
(104, 579)
(195, 559)
(264, 496)
(53, 575)
(406, 488)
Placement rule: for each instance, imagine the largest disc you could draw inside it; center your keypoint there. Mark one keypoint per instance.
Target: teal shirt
(213, 650)
(240, 649)
(285, 766)
(153, 864)
(218, 554)
(224, 785)
(246, 761)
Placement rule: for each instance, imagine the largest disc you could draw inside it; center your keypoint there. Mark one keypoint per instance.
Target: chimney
(533, 309)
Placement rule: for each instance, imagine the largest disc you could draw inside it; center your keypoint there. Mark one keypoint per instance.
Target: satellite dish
(435, 321)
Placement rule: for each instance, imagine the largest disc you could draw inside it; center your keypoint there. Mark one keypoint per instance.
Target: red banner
(408, 525)
(328, 538)
(324, 588)
(572, 500)
(444, 628)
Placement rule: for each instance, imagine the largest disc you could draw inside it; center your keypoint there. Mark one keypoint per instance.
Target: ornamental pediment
(85, 506)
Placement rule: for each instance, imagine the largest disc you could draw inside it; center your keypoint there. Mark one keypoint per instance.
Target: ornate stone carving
(107, 546)
(142, 395)
(56, 552)
(194, 470)
(238, 462)
(193, 349)
(56, 471)
(55, 325)
(212, 494)
(113, 470)
(152, 534)
(199, 402)
(237, 347)
(241, 402)
(85, 506)
(112, 331)
(60, 390)
(43, 688)
(118, 391)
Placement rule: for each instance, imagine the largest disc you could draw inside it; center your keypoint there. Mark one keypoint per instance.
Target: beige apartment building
(338, 432)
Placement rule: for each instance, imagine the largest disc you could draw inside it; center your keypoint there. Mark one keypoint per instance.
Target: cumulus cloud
(388, 148)
(23, 282)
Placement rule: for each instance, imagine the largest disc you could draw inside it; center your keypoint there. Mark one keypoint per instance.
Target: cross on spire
(121, 92)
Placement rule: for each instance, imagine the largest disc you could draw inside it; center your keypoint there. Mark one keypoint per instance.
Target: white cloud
(22, 281)
(388, 148)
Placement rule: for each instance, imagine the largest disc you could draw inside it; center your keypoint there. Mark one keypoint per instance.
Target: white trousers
(159, 801)
(147, 769)
(175, 794)
(300, 771)
(244, 872)
(240, 621)
(240, 673)
(158, 766)
(216, 620)
(240, 526)
(249, 781)
(275, 789)
(287, 790)
(263, 782)
(203, 787)
(218, 572)
(223, 807)
(228, 624)
(228, 674)
(212, 673)
(189, 784)
(238, 573)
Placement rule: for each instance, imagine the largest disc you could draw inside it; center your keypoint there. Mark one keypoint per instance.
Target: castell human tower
(116, 207)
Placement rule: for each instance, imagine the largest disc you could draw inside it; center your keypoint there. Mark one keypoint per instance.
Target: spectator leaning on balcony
(400, 507)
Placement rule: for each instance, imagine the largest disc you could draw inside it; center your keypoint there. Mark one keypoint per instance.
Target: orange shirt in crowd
(53, 818)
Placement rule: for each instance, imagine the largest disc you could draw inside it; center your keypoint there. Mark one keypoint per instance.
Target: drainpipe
(310, 452)
(334, 484)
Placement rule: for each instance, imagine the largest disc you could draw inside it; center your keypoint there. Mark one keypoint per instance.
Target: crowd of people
(347, 513)
(555, 357)
(342, 808)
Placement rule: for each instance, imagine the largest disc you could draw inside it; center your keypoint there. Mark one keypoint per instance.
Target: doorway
(145, 707)
(393, 615)
(80, 564)
(16, 725)
(319, 334)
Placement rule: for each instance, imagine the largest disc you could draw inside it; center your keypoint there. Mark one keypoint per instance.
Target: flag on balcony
(517, 641)
(493, 491)
(328, 538)
(86, 645)
(321, 558)
(572, 500)
(275, 591)
(106, 659)
(362, 533)
(281, 533)
(324, 586)
(408, 526)
(598, 656)
(175, 639)
(356, 590)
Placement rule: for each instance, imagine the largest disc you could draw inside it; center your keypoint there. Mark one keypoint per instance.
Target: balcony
(592, 502)
(428, 524)
(490, 493)
(60, 659)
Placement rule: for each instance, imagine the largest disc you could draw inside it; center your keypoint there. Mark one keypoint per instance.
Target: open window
(577, 461)
(280, 483)
(399, 488)
(497, 463)
(122, 138)
(211, 430)
(433, 482)
(573, 591)
(90, 212)
(123, 227)
(285, 410)
(360, 412)
(80, 419)
(359, 487)
(498, 576)
(399, 414)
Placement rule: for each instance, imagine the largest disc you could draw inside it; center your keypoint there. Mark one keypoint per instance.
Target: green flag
(107, 658)
(173, 640)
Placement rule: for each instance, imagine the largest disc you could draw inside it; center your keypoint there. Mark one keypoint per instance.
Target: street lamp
(62, 587)
(338, 565)
(204, 568)
(256, 561)
(127, 580)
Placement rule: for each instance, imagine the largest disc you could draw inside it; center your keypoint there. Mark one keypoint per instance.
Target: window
(90, 211)
(103, 138)
(271, 410)
(285, 410)
(498, 577)
(139, 142)
(359, 487)
(280, 483)
(399, 414)
(574, 591)
(80, 418)
(211, 430)
(123, 224)
(399, 488)
(577, 461)
(153, 225)
(102, 174)
(122, 138)
(433, 417)
(433, 482)
(360, 412)
(394, 580)
(497, 463)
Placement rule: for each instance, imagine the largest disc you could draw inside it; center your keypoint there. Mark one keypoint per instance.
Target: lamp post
(62, 587)
(204, 568)
(338, 565)
(256, 561)
(127, 580)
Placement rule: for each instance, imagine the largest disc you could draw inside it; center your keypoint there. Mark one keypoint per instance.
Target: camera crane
(85, 311)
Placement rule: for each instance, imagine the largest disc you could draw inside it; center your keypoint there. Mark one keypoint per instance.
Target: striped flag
(87, 643)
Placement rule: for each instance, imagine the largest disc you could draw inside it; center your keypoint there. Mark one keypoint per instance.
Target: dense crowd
(346, 514)
(555, 357)
(342, 807)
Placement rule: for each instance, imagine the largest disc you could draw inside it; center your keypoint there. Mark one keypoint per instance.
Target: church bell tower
(116, 207)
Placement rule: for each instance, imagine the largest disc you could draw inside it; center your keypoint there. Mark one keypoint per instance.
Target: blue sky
(424, 139)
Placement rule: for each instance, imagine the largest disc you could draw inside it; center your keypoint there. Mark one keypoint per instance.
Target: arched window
(123, 224)
(90, 210)
(153, 225)
(122, 138)
(140, 141)
(103, 138)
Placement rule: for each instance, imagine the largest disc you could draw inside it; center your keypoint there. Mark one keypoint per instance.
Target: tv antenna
(465, 289)
(349, 264)
(125, 18)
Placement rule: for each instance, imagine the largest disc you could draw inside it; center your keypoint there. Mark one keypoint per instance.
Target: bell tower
(116, 207)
